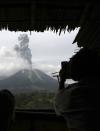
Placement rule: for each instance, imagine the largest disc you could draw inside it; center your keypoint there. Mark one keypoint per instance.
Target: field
(35, 100)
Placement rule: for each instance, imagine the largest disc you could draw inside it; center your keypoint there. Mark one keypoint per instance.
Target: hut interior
(41, 15)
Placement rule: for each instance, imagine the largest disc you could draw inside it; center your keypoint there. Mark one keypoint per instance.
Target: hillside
(27, 81)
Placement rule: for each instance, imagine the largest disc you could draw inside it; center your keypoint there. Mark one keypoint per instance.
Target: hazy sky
(48, 50)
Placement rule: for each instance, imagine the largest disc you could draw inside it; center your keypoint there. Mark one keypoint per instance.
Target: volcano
(29, 80)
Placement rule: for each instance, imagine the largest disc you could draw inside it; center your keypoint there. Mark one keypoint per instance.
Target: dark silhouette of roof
(40, 15)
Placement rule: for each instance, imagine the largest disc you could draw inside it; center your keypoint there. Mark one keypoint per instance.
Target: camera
(65, 70)
(64, 73)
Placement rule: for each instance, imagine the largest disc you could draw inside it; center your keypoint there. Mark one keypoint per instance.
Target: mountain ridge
(29, 80)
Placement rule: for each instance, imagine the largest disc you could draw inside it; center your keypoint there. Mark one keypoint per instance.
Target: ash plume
(23, 50)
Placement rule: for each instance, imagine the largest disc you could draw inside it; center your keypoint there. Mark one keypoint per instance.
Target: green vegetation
(35, 100)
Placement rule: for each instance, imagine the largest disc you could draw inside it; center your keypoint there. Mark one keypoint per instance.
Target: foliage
(35, 100)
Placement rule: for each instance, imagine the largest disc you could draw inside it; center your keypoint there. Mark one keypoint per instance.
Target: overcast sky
(48, 50)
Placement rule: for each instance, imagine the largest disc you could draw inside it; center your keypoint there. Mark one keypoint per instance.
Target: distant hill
(27, 81)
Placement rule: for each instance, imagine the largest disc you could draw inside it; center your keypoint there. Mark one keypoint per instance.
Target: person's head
(7, 104)
(85, 63)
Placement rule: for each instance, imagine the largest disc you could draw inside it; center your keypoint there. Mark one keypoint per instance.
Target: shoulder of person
(62, 99)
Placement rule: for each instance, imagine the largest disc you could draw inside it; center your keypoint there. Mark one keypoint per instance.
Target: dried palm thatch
(40, 15)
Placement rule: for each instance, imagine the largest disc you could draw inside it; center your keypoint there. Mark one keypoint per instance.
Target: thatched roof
(89, 34)
(40, 15)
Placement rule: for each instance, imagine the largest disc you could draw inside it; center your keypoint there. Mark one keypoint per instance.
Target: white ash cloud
(12, 60)
(22, 48)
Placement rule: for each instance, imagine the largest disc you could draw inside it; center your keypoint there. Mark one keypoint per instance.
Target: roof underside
(40, 15)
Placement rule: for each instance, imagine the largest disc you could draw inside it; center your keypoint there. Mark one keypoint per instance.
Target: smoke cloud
(15, 59)
(23, 49)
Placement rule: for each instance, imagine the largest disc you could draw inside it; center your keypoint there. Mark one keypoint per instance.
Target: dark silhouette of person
(7, 104)
(79, 102)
